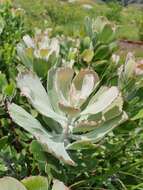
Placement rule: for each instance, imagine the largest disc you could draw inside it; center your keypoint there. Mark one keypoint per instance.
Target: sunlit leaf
(31, 87)
(9, 183)
(139, 115)
(36, 183)
(88, 55)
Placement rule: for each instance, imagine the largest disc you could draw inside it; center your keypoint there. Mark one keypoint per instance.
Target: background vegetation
(68, 18)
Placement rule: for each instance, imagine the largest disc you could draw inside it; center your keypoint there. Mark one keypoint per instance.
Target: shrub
(11, 32)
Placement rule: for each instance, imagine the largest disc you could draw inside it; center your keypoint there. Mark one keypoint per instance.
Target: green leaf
(102, 52)
(102, 130)
(69, 110)
(3, 142)
(81, 145)
(56, 148)
(139, 115)
(103, 101)
(86, 42)
(63, 80)
(99, 23)
(31, 87)
(97, 134)
(3, 81)
(9, 90)
(36, 183)
(37, 151)
(107, 35)
(87, 55)
(41, 67)
(85, 126)
(9, 183)
(25, 120)
(111, 113)
(53, 125)
(114, 109)
(50, 143)
(52, 92)
(99, 63)
(129, 67)
(96, 96)
(26, 60)
(88, 27)
(82, 86)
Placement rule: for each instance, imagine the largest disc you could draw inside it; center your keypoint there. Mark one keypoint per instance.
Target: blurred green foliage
(68, 18)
